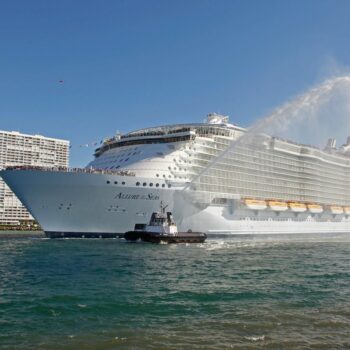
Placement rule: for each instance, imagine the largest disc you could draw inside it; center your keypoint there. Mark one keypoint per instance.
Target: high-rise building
(18, 149)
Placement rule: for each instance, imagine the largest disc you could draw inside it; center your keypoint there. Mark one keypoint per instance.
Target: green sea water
(241, 293)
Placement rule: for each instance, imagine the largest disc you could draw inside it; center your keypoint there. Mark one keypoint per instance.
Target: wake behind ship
(268, 186)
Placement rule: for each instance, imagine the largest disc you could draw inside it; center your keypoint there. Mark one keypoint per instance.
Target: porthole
(108, 182)
(151, 184)
(157, 175)
(123, 183)
(116, 182)
(163, 185)
(157, 185)
(137, 184)
(169, 186)
(144, 184)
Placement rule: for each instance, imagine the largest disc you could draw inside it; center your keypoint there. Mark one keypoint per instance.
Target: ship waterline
(270, 186)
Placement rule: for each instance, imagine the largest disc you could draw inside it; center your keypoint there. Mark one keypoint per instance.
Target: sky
(81, 70)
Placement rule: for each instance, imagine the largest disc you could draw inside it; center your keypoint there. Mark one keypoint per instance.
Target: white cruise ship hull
(77, 204)
(100, 205)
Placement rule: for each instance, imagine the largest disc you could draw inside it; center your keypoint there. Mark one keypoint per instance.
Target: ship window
(144, 184)
(169, 186)
(108, 182)
(137, 184)
(123, 183)
(151, 184)
(157, 175)
(157, 185)
(116, 182)
(163, 185)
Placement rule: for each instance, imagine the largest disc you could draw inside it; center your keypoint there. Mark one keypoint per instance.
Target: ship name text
(149, 196)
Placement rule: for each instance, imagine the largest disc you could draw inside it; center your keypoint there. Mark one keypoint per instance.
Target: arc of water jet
(313, 98)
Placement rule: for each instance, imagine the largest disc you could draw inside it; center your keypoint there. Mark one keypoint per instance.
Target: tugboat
(162, 229)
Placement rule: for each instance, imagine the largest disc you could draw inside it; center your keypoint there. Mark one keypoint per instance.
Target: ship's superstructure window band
(270, 168)
(141, 142)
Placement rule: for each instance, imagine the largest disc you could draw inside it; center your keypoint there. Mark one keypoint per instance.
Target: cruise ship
(211, 182)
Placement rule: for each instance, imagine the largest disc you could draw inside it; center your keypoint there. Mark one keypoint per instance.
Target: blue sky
(131, 64)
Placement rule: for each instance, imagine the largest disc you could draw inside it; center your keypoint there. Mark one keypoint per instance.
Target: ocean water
(241, 293)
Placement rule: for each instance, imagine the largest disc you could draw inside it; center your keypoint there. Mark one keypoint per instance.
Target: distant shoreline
(22, 234)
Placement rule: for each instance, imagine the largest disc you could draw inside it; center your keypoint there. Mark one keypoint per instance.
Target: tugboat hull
(155, 237)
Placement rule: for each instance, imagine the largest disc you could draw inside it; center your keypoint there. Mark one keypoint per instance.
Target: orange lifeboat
(255, 204)
(315, 208)
(297, 207)
(278, 206)
(347, 210)
(335, 209)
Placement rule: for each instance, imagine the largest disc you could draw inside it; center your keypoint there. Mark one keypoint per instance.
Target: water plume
(306, 115)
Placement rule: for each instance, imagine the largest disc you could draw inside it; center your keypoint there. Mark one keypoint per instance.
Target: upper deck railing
(71, 170)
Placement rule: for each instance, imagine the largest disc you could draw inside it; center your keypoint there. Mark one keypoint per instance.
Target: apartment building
(33, 150)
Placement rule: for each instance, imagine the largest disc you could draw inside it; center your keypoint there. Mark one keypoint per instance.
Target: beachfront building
(26, 150)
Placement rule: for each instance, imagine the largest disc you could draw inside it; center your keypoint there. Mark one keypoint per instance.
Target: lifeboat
(297, 207)
(278, 206)
(315, 208)
(335, 209)
(347, 210)
(255, 204)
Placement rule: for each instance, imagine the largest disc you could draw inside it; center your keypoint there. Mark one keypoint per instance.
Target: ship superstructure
(211, 181)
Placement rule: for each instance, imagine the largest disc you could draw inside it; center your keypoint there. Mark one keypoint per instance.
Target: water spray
(282, 116)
